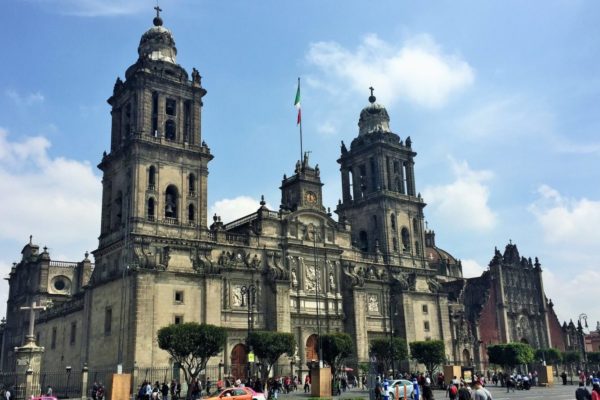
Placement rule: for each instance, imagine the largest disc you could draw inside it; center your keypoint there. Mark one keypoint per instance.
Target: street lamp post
(582, 317)
(68, 368)
(392, 299)
(249, 293)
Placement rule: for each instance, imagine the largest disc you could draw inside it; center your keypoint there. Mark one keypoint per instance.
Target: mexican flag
(297, 104)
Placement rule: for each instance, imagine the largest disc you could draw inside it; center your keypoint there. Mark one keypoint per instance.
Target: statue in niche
(294, 278)
(373, 303)
(237, 298)
(331, 282)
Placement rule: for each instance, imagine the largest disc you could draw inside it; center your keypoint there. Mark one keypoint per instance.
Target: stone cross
(32, 309)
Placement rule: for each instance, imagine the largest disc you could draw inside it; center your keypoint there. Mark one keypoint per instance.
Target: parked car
(238, 393)
(400, 383)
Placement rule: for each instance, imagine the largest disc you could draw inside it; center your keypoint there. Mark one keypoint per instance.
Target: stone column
(30, 391)
(84, 382)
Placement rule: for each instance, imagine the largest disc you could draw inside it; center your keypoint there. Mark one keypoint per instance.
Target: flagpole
(300, 125)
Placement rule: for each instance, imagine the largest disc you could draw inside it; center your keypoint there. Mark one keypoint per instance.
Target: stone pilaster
(282, 301)
(211, 302)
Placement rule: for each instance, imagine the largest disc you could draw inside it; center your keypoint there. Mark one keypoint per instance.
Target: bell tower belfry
(155, 176)
(379, 196)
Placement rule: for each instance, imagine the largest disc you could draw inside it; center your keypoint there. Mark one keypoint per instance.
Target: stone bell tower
(155, 175)
(379, 196)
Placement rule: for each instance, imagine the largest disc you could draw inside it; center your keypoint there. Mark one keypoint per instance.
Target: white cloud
(571, 293)
(472, 269)
(416, 70)
(503, 118)
(572, 223)
(327, 128)
(45, 195)
(94, 8)
(232, 209)
(24, 99)
(464, 202)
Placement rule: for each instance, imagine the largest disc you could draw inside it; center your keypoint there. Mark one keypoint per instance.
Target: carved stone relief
(373, 303)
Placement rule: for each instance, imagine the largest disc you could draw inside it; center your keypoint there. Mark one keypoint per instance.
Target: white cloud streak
(464, 202)
(24, 99)
(94, 8)
(416, 70)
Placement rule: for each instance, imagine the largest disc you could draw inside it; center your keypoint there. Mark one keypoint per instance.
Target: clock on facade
(310, 197)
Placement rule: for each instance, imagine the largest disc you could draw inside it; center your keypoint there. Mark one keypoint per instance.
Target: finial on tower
(371, 97)
(157, 21)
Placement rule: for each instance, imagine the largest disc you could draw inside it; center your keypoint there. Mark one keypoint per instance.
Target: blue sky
(500, 99)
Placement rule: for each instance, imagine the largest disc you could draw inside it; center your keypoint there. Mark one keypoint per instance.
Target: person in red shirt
(596, 389)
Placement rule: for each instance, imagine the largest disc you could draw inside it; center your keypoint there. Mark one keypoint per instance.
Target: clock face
(310, 197)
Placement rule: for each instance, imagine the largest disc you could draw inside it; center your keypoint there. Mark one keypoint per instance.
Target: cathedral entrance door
(466, 357)
(312, 349)
(239, 362)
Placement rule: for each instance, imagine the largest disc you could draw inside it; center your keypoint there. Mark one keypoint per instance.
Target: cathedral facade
(373, 271)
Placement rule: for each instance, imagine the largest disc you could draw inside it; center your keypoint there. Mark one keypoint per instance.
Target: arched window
(151, 209)
(170, 130)
(154, 114)
(192, 184)
(171, 197)
(405, 240)
(151, 177)
(191, 213)
(395, 244)
(393, 222)
(363, 240)
(119, 207)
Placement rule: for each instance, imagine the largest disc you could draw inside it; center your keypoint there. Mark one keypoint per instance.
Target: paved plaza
(556, 392)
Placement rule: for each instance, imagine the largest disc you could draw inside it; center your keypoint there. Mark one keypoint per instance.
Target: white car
(400, 383)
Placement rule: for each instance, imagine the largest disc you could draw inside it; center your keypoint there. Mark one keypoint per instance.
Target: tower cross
(371, 89)
(32, 309)
(158, 10)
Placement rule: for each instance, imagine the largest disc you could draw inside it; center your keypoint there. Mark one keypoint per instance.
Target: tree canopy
(571, 357)
(384, 352)
(192, 345)
(510, 354)
(269, 346)
(431, 353)
(552, 356)
(336, 347)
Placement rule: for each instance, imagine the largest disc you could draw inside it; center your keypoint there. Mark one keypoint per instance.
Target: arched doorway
(466, 357)
(239, 361)
(312, 349)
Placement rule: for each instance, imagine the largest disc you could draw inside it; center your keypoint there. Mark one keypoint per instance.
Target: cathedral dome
(157, 43)
(373, 118)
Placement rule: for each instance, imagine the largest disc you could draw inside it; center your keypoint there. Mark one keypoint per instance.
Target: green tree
(336, 347)
(517, 354)
(571, 357)
(381, 349)
(593, 358)
(496, 354)
(552, 356)
(192, 345)
(511, 354)
(431, 353)
(269, 346)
